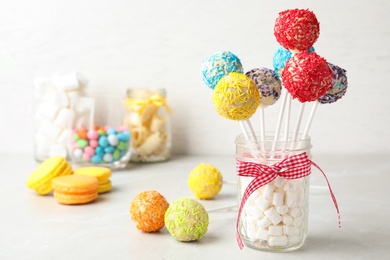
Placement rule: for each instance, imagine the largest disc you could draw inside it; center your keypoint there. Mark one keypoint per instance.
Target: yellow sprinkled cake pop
(236, 97)
(205, 181)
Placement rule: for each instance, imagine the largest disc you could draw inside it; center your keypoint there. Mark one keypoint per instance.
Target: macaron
(41, 178)
(102, 174)
(75, 189)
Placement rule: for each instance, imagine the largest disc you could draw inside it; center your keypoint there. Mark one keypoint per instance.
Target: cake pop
(186, 219)
(281, 56)
(297, 29)
(338, 87)
(205, 181)
(148, 209)
(267, 83)
(236, 97)
(219, 65)
(307, 76)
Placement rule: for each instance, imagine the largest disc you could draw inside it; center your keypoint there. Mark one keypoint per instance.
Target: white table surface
(37, 227)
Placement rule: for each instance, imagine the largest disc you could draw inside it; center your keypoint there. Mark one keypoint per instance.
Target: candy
(98, 147)
(219, 65)
(338, 87)
(148, 209)
(297, 29)
(236, 97)
(307, 76)
(267, 83)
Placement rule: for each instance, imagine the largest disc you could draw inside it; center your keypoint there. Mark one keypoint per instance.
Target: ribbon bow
(139, 105)
(293, 167)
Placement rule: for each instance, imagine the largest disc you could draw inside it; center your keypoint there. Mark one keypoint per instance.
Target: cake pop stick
(280, 119)
(335, 92)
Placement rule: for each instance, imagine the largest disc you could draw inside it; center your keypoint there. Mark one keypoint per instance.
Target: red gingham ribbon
(293, 167)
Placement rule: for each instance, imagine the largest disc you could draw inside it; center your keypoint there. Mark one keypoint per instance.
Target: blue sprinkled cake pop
(338, 88)
(219, 65)
(281, 56)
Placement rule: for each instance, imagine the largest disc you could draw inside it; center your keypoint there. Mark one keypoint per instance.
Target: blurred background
(125, 44)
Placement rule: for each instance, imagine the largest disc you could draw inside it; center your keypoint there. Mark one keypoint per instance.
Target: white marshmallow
(67, 82)
(65, 118)
(275, 230)
(298, 221)
(255, 212)
(295, 212)
(262, 203)
(262, 234)
(291, 199)
(63, 137)
(273, 215)
(58, 150)
(83, 81)
(47, 110)
(263, 223)
(292, 185)
(277, 198)
(277, 240)
(290, 230)
(293, 240)
(49, 130)
(251, 233)
(287, 219)
(279, 181)
(268, 191)
(283, 209)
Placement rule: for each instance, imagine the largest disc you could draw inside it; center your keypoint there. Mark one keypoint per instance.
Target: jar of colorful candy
(148, 118)
(273, 192)
(101, 138)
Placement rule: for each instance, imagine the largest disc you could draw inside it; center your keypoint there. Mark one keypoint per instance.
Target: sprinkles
(236, 97)
(307, 76)
(297, 29)
(338, 88)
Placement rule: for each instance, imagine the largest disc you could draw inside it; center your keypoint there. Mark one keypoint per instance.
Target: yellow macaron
(101, 173)
(41, 178)
(75, 189)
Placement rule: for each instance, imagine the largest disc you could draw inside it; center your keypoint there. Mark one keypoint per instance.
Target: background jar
(275, 216)
(149, 119)
(99, 137)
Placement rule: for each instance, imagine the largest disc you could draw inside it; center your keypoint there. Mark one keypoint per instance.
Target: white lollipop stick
(287, 125)
(310, 120)
(280, 118)
(262, 124)
(243, 129)
(298, 124)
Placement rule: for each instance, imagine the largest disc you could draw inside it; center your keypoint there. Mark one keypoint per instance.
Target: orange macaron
(75, 189)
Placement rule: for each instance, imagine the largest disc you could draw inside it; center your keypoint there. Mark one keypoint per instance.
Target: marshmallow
(58, 150)
(255, 212)
(263, 222)
(283, 209)
(273, 215)
(277, 240)
(63, 137)
(65, 118)
(262, 203)
(292, 185)
(268, 191)
(251, 233)
(67, 82)
(275, 230)
(277, 198)
(298, 221)
(295, 212)
(279, 181)
(290, 231)
(262, 234)
(287, 219)
(47, 110)
(48, 129)
(291, 199)
(293, 240)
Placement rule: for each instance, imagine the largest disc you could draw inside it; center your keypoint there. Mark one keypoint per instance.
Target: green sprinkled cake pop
(186, 219)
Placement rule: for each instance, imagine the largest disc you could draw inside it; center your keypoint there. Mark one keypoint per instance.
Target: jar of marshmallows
(273, 192)
(148, 118)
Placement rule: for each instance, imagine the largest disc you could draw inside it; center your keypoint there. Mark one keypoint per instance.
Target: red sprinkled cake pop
(297, 30)
(307, 76)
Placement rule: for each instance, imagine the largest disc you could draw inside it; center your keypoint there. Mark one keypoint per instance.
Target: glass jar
(274, 217)
(99, 137)
(148, 118)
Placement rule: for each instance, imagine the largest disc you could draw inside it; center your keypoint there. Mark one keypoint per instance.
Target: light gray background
(123, 44)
